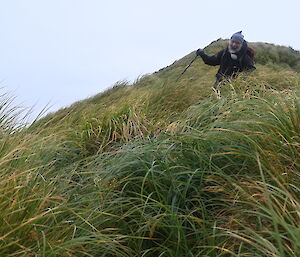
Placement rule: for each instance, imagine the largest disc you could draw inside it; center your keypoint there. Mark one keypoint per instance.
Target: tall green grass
(220, 186)
(157, 168)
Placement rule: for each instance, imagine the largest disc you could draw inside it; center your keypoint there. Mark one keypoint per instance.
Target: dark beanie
(238, 37)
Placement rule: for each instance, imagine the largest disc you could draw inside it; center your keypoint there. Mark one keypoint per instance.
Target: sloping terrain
(160, 167)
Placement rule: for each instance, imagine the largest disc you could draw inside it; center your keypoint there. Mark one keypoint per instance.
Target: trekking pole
(186, 68)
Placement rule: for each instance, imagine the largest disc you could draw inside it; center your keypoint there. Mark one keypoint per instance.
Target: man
(234, 59)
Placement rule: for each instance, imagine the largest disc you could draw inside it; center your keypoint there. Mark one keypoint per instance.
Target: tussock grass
(158, 168)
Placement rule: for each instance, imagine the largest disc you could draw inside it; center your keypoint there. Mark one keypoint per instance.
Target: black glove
(200, 52)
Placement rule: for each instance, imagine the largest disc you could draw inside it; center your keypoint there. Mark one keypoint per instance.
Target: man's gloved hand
(200, 52)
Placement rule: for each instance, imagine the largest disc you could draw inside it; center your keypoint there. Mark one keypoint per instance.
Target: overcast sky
(61, 51)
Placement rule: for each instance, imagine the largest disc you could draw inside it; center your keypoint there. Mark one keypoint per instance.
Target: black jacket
(228, 66)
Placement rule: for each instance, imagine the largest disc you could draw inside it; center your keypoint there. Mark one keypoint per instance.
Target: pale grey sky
(66, 50)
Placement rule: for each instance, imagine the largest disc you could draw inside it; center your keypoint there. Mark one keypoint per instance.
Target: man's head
(236, 42)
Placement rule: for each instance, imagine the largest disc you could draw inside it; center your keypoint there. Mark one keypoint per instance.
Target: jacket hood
(244, 48)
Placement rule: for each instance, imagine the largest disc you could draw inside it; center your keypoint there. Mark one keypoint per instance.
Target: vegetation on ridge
(160, 168)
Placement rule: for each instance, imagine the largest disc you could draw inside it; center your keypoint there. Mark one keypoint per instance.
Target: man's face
(235, 45)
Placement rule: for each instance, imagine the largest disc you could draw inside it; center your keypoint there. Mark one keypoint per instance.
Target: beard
(233, 49)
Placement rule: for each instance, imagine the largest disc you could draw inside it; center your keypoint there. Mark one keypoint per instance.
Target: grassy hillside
(159, 167)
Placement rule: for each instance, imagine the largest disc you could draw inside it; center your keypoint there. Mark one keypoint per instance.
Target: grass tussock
(158, 168)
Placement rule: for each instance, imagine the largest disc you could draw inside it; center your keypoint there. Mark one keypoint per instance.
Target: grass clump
(158, 168)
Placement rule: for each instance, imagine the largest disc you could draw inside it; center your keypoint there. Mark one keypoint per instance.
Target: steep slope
(160, 98)
(161, 167)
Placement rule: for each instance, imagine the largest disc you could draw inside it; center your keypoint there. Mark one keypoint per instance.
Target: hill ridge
(160, 168)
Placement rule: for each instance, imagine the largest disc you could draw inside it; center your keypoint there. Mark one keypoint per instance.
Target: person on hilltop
(234, 59)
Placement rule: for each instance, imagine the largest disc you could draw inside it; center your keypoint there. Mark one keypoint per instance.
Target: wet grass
(157, 168)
